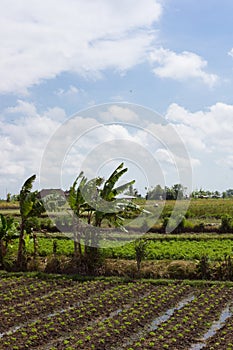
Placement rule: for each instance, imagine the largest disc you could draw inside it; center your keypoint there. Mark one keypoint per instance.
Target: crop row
(223, 339)
(188, 323)
(58, 299)
(29, 288)
(7, 283)
(178, 249)
(119, 327)
(215, 249)
(101, 305)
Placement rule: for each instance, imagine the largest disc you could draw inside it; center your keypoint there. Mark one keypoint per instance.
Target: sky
(87, 84)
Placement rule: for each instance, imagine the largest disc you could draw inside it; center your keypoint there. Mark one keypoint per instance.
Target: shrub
(203, 267)
(140, 251)
(227, 223)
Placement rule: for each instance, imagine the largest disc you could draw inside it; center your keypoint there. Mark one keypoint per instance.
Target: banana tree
(109, 207)
(30, 206)
(78, 201)
(7, 230)
(102, 198)
(98, 200)
(77, 204)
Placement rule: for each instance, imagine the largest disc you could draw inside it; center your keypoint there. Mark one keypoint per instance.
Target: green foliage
(177, 249)
(108, 207)
(29, 203)
(7, 230)
(203, 267)
(227, 223)
(7, 227)
(140, 251)
(25, 197)
(174, 223)
(30, 206)
(76, 199)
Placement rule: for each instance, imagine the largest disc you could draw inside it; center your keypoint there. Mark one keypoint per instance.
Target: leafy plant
(140, 247)
(7, 230)
(30, 206)
(226, 223)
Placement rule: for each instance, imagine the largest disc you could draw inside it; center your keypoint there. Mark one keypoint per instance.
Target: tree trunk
(77, 247)
(21, 261)
(35, 246)
(77, 238)
(2, 252)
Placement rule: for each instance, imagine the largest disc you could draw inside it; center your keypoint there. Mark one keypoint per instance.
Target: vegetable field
(107, 314)
(179, 247)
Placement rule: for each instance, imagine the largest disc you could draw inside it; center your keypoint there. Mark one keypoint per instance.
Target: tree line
(179, 191)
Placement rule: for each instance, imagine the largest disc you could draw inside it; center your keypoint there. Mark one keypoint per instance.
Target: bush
(140, 251)
(174, 224)
(227, 223)
(203, 267)
(53, 265)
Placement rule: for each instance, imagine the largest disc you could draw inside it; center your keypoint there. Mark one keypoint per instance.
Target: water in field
(156, 322)
(163, 318)
(226, 313)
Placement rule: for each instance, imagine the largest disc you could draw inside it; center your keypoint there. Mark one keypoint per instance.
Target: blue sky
(174, 57)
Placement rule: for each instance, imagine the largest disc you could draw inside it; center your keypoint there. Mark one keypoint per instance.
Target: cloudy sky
(60, 57)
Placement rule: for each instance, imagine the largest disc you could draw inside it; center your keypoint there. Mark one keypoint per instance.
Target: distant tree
(156, 193)
(216, 194)
(8, 197)
(178, 191)
(132, 192)
(170, 193)
(229, 193)
(201, 193)
(15, 197)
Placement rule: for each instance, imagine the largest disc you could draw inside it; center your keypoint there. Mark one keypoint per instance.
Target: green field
(201, 237)
(158, 248)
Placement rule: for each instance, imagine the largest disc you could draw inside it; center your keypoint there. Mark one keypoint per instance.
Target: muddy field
(64, 314)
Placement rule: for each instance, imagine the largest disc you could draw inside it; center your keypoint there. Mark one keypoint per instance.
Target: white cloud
(25, 133)
(23, 107)
(41, 39)
(119, 113)
(180, 66)
(230, 53)
(23, 141)
(227, 161)
(163, 155)
(208, 132)
(72, 90)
